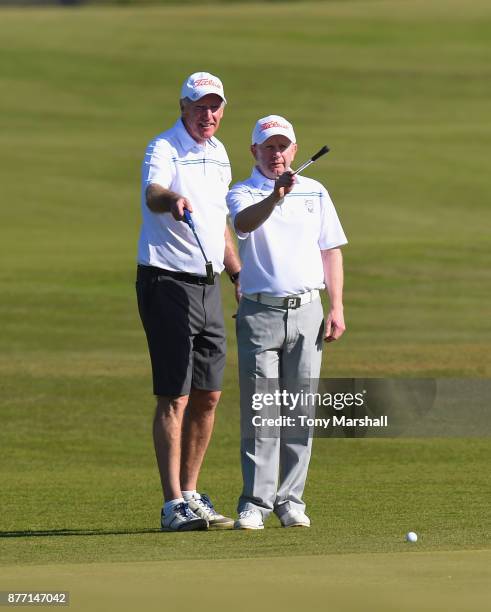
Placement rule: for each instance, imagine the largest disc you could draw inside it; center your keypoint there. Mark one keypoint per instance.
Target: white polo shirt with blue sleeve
(283, 256)
(199, 172)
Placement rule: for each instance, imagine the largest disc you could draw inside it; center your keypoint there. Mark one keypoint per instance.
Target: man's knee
(205, 400)
(167, 406)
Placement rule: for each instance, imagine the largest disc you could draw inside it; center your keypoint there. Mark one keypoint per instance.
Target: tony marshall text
(304, 421)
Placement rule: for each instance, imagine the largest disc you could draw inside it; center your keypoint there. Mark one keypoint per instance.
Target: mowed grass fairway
(400, 92)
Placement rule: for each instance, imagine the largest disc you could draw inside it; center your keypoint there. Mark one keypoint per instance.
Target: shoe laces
(248, 513)
(184, 510)
(205, 502)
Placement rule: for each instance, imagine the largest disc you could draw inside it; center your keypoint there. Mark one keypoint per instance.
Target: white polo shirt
(283, 256)
(200, 173)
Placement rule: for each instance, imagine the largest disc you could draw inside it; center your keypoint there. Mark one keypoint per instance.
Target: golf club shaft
(199, 244)
(323, 151)
(303, 166)
(188, 219)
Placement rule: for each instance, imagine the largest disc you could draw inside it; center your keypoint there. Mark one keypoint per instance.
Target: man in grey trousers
(289, 242)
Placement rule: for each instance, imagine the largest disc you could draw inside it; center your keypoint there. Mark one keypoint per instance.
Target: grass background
(400, 91)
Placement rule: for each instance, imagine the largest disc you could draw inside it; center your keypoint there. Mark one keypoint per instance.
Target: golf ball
(411, 537)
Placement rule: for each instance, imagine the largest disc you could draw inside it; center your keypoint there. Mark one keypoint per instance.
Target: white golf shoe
(181, 518)
(201, 506)
(294, 518)
(249, 519)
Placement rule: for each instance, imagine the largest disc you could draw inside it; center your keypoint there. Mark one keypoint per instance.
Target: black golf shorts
(183, 322)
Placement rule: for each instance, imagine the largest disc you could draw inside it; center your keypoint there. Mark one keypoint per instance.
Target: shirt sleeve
(238, 198)
(229, 168)
(158, 165)
(331, 234)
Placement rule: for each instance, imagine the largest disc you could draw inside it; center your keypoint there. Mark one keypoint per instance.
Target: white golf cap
(272, 125)
(200, 84)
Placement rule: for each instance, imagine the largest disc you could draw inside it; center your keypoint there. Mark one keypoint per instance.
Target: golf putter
(210, 276)
(323, 151)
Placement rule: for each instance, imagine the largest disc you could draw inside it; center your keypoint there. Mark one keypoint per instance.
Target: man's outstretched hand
(284, 184)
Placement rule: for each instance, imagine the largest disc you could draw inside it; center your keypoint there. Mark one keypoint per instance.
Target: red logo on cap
(272, 124)
(203, 82)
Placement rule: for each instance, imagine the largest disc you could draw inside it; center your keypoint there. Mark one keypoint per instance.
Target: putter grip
(323, 151)
(188, 219)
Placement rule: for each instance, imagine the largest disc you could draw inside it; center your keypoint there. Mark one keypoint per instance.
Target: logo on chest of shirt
(309, 205)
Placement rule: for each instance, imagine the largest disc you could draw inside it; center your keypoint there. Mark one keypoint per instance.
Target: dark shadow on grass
(43, 533)
(28, 533)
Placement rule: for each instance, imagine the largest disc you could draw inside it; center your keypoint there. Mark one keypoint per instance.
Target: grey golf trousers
(276, 343)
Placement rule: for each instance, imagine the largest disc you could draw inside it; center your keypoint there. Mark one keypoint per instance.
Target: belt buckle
(292, 302)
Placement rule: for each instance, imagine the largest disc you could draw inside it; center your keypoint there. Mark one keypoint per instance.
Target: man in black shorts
(186, 168)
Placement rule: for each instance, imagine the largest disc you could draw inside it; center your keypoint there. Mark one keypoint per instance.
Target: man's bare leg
(197, 427)
(167, 434)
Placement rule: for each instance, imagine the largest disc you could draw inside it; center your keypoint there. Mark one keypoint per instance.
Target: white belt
(290, 301)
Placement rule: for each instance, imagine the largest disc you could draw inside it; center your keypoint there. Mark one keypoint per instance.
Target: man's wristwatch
(234, 277)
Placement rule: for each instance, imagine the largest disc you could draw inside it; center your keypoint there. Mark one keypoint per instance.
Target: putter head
(210, 275)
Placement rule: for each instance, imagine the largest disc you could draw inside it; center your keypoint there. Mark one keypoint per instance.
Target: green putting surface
(431, 582)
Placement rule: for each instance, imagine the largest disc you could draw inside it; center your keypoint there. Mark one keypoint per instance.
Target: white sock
(170, 504)
(190, 494)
